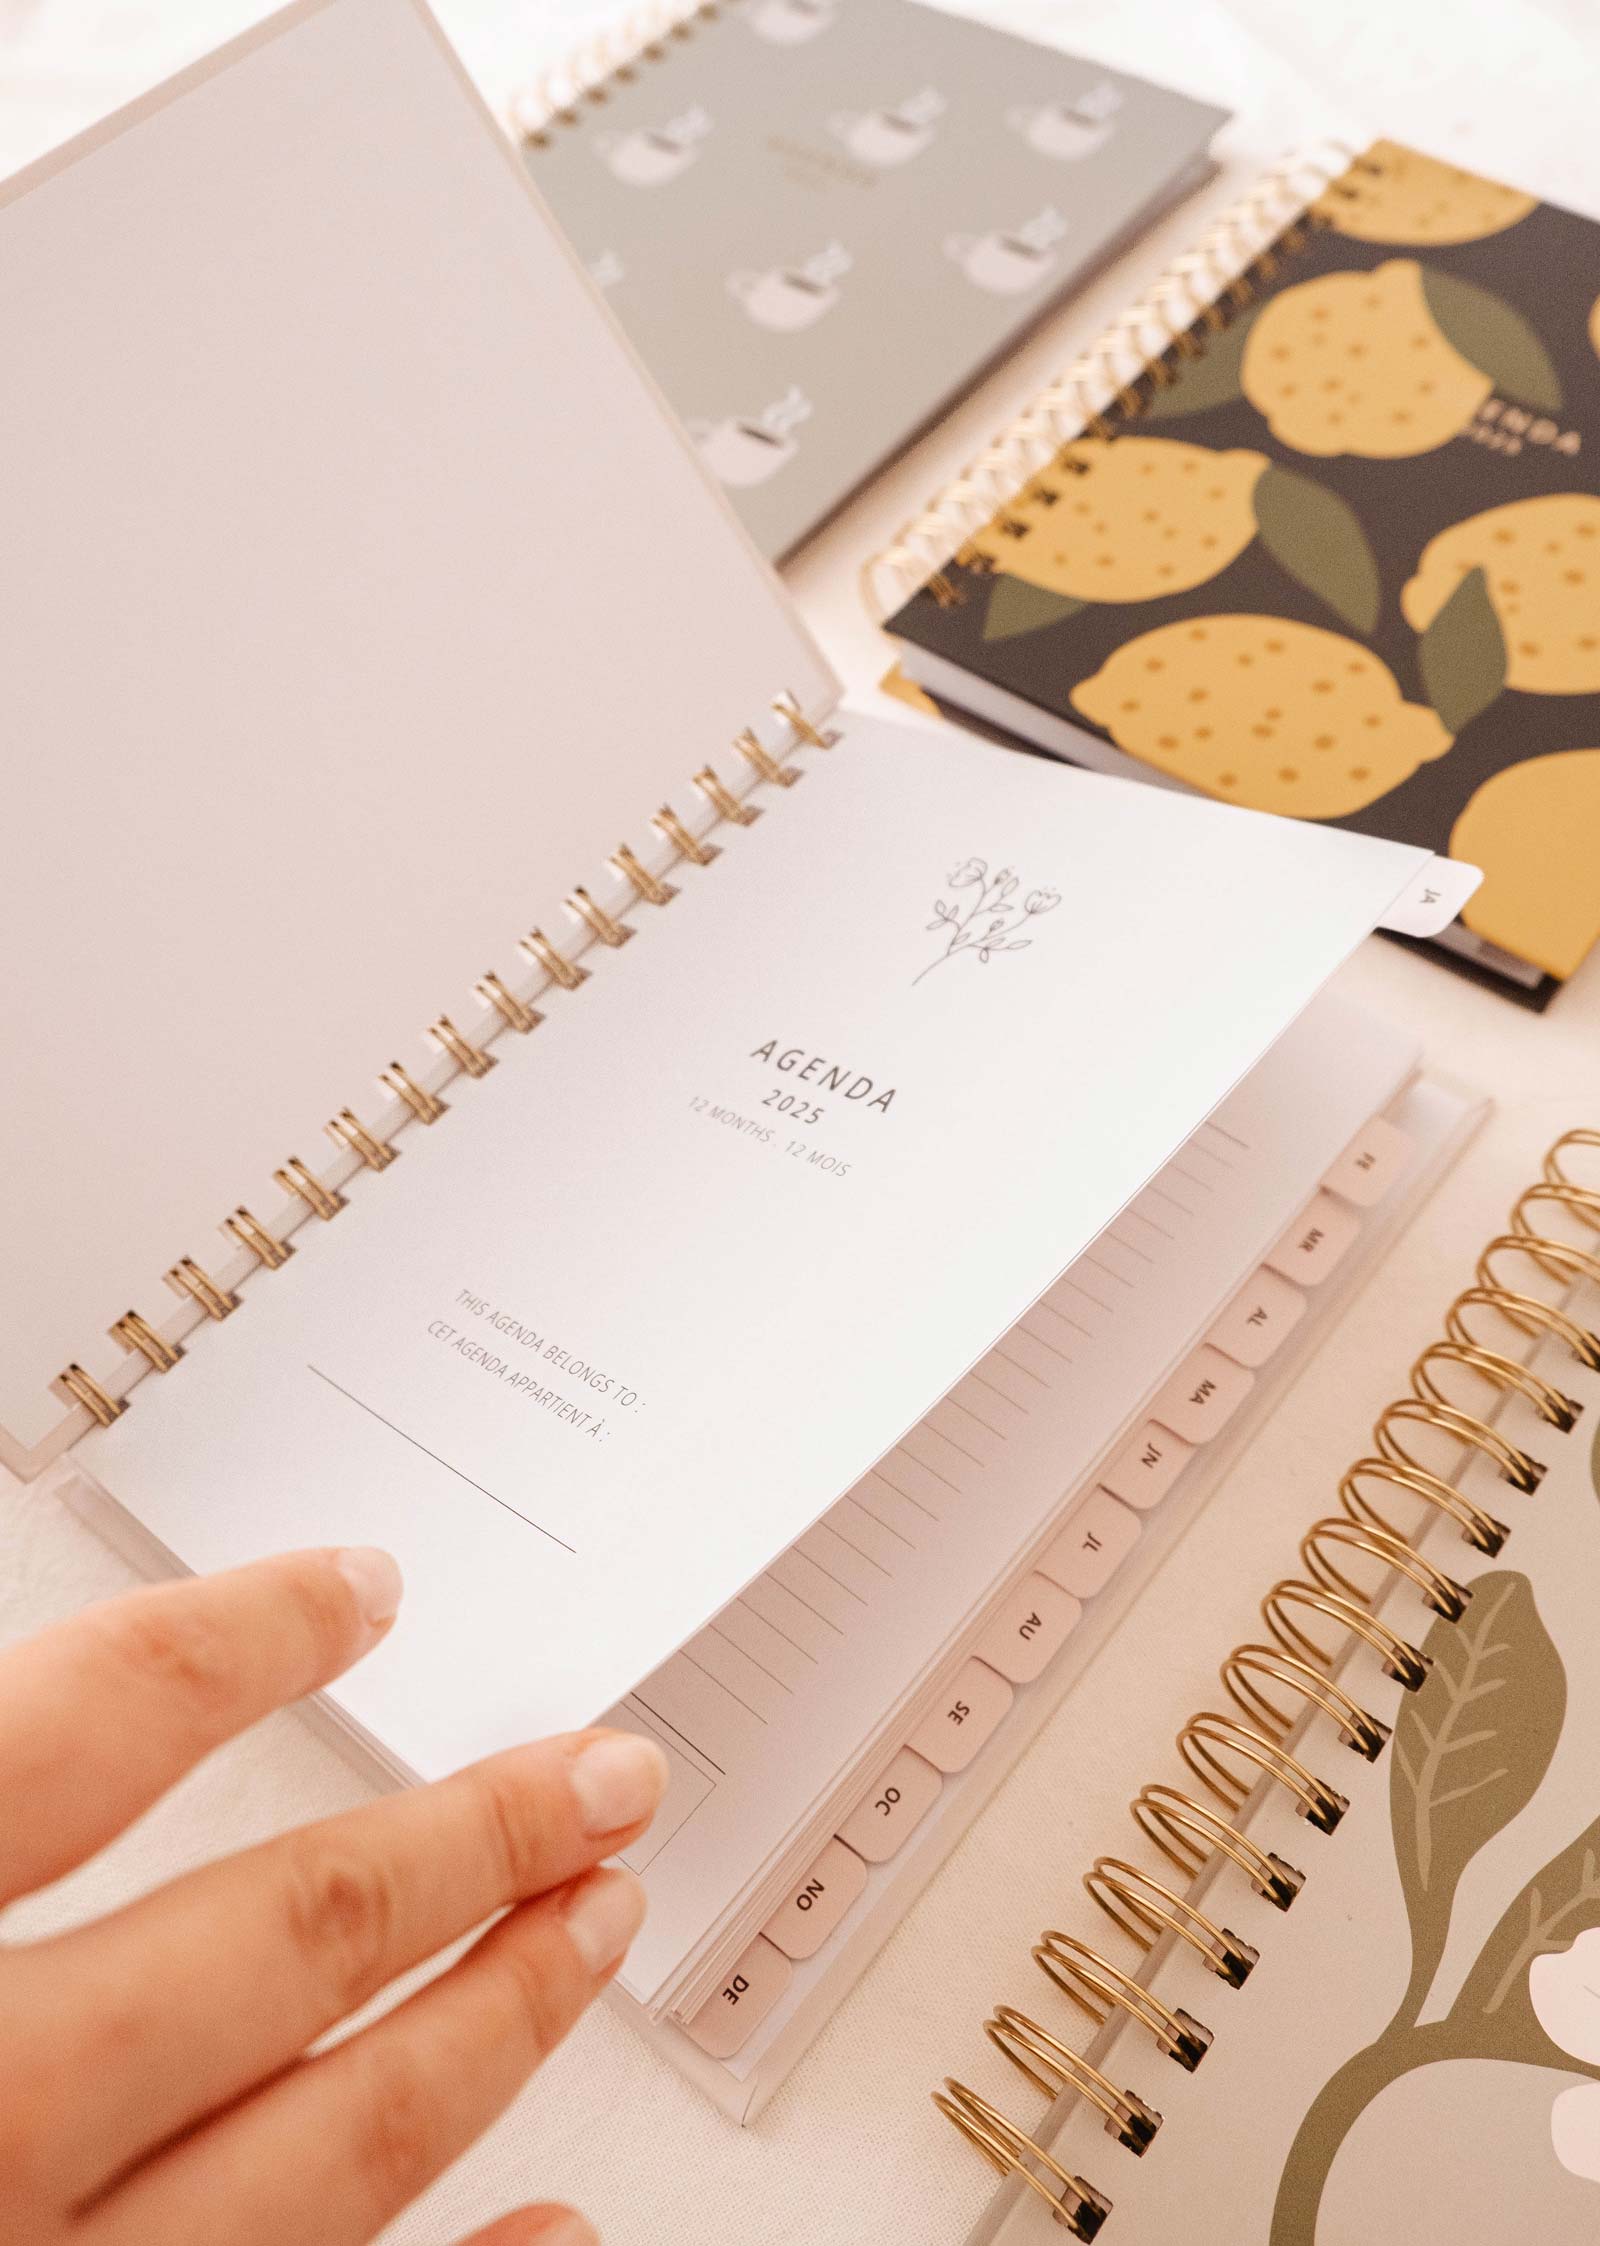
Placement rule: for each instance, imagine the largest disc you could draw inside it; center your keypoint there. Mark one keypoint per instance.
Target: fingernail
(603, 1916)
(618, 1779)
(375, 1579)
(565, 2229)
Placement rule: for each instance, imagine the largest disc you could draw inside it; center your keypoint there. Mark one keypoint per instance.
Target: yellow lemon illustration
(1395, 194)
(1541, 562)
(1535, 831)
(1132, 520)
(1258, 710)
(1356, 362)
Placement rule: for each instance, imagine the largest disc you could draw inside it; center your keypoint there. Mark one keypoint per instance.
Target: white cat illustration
(787, 22)
(1069, 130)
(649, 158)
(885, 137)
(790, 297)
(1009, 264)
(742, 452)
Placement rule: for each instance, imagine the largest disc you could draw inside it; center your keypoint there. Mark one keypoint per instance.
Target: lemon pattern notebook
(1336, 551)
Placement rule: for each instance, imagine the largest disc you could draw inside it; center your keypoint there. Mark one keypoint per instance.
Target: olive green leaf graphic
(1469, 1751)
(1015, 606)
(1462, 654)
(1493, 2017)
(1210, 378)
(1497, 340)
(1318, 540)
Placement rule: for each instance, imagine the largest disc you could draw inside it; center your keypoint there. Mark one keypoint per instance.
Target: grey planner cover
(819, 220)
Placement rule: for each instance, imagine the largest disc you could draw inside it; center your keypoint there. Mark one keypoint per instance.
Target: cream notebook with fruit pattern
(1317, 529)
(1347, 1976)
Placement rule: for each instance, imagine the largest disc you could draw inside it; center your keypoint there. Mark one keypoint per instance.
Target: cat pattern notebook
(1336, 552)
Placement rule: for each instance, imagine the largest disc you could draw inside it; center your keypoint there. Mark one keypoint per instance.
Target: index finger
(102, 1713)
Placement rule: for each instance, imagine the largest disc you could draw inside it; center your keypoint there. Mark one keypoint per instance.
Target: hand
(154, 2087)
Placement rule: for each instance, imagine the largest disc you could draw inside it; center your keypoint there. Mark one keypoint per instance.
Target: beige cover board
(357, 596)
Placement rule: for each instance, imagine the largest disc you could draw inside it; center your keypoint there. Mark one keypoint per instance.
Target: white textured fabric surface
(851, 2151)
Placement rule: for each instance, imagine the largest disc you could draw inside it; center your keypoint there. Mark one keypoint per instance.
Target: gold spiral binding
(138, 1334)
(268, 1251)
(763, 763)
(84, 1389)
(1554, 1168)
(1517, 1467)
(1406, 1663)
(1208, 1740)
(1530, 1314)
(351, 1132)
(1030, 2047)
(1393, 1553)
(1503, 1372)
(1231, 1757)
(187, 1278)
(426, 1106)
(1557, 1259)
(1112, 381)
(564, 972)
(588, 75)
(306, 1186)
(699, 853)
(1145, 1910)
(1582, 1201)
(1189, 1833)
(1356, 1726)
(1478, 1528)
(1009, 2150)
(469, 1058)
(600, 924)
(1098, 1987)
(723, 800)
(507, 1005)
(646, 886)
(309, 1195)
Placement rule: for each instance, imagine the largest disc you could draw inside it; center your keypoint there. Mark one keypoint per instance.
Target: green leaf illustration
(1312, 534)
(1469, 1751)
(1497, 340)
(1493, 2016)
(1209, 379)
(1462, 654)
(1016, 607)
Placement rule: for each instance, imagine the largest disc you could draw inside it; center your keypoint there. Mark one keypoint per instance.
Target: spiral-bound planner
(819, 220)
(416, 759)
(1347, 1982)
(1312, 529)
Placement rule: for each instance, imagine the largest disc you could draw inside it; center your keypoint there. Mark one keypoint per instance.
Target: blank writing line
(767, 1623)
(995, 1390)
(826, 1620)
(503, 1503)
(685, 1655)
(718, 1632)
(977, 1417)
(926, 1468)
(888, 1526)
(840, 1536)
(881, 1476)
(676, 1733)
(796, 1553)
(1016, 1365)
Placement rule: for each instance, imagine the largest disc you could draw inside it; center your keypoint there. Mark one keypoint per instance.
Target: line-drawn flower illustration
(989, 916)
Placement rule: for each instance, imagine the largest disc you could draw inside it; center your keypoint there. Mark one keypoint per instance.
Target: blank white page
(713, 1240)
(356, 598)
